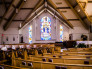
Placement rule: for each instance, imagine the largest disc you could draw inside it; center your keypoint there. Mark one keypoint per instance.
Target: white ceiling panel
(76, 23)
(60, 1)
(69, 14)
(15, 24)
(30, 3)
(89, 9)
(22, 14)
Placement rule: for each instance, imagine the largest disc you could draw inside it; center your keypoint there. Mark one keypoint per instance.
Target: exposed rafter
(26, 8)
(89, 1)
(58, 3)
(84, 11)
(73, 19)
(28, 18)
(63, 8)
(75, 5)
(55, 7)
(72, 7)
(64, 11)
(20, 4)
(6, 12)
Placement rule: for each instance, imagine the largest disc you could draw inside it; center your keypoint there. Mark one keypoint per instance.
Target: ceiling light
(79, 10)
(25, 0)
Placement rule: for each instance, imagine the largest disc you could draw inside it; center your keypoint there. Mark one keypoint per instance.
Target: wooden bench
(68, 56)
(49, 65)
(3, 66)
(62, 60)
(78, 49)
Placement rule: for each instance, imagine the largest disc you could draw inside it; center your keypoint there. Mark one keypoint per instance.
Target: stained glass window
(30, 34)
(61, 33)
(45, 28)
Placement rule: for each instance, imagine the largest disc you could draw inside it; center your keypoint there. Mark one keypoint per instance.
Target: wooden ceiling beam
(55, 7)
(63, 8)
(75, 12)
(64, 11)
(26, 8)
(6, 25)
(75, 5)
(58, 3)
(89, 1)
(6, 12)
(86, 14)
(73, 19)
(35, 8)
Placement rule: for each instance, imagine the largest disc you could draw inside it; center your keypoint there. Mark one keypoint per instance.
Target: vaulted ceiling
(22, 11)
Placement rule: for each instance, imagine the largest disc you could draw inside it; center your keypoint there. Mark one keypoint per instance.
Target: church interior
(45, 34)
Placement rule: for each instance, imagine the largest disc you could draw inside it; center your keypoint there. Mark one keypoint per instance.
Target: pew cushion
(64, 67)
(58, 67)
(88, 54)
(23, 63)
(88, 57)
(54, 55)
(60, 56)
(86, 62)
(60, 53)
(44, 59)
(30, 64)
(50, 60)
(66, 53)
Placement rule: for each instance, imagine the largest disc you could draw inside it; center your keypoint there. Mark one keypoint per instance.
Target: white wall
(78, 30)
(10, 33)
(55, 30)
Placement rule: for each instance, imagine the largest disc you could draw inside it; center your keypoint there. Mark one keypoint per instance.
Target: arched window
(61, 33)
(45, 28)
(30, 34)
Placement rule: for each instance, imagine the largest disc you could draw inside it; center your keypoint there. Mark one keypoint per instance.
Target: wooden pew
(68, 56)
(62, 60)
(3, 66)
(78, 49)
(49, 65)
